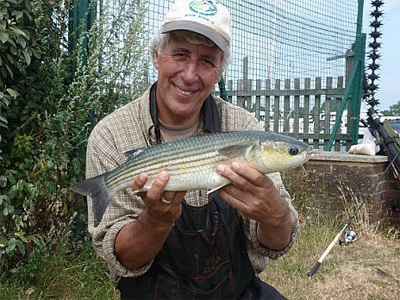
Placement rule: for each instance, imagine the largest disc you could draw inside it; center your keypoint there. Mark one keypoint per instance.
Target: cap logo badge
(207, 8)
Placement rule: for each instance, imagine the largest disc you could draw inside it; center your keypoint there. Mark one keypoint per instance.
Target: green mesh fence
(291, 61)
(279, 39)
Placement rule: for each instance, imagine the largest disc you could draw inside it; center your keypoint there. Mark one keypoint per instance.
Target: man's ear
(155, 59)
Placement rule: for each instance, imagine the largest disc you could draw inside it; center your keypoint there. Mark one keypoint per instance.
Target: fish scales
(191, 163)
(169, 163)
(160, 158)
(172, 159)
(165, 152)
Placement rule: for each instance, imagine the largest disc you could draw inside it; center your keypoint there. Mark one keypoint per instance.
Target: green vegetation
(394, 110)
(51, 95)
(60, 272)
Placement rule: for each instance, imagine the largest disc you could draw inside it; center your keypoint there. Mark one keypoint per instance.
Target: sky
(389, 82)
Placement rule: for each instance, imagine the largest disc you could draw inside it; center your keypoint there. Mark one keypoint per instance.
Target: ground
(367, 269)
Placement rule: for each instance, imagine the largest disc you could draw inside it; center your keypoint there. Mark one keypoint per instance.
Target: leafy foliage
(394, 110)
(50, 99)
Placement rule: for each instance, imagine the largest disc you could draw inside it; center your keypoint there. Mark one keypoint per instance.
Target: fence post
(248, 87)
(222, 89)
(317, 112)
(328, 109)
(81, 18)
(230, 89)
(240, 90)
(296, 108)
(277, 105)
(355, 101)
(267, 105)
(286, 107)
(307, 114)
(257, 107)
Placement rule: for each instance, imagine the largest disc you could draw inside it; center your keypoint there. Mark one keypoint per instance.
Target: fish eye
(293, 151)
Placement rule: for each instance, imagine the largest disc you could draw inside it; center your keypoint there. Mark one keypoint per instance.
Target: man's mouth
(183, 92)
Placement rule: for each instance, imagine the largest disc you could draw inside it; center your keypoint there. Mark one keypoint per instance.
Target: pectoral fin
(141, 192)
(235, 151)
(216, 188)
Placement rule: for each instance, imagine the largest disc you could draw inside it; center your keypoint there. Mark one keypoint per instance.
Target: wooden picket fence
(305, 109)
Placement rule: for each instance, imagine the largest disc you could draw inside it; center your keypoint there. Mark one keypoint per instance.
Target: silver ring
(165, 201)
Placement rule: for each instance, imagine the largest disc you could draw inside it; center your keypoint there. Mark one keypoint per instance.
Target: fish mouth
(310, 152)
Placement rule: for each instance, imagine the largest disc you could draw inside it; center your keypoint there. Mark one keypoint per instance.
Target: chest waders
(204, 257)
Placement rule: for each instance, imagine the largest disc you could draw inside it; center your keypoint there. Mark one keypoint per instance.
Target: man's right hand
(162, 206)
(140, 241)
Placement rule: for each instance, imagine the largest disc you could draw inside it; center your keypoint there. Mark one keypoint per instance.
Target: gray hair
(160, 40)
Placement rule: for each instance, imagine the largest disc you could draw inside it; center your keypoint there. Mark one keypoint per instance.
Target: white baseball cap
(208, 18)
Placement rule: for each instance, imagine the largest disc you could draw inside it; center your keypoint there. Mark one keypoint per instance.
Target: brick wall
(334, 183)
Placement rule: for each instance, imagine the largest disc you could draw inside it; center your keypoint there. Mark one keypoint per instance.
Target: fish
(192, 162)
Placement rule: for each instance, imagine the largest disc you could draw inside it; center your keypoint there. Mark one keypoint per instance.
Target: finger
(175, 197)
(140, 181)
(235, 178)
(249, 173)
(234, 197)
(234, 191)
(157, 187)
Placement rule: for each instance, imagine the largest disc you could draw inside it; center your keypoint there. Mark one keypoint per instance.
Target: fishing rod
(388, 141)
(350, 236)
(374, 125)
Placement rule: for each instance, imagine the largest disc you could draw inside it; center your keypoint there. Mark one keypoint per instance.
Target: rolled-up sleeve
(123, 208)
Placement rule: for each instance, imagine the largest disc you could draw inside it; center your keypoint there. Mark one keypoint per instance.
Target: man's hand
(162, 207)
(256, 197)
(140, 241)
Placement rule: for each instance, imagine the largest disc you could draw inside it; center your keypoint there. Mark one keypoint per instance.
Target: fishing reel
(349, 237)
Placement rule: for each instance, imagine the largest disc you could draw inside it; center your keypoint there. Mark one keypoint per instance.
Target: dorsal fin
(134, 152)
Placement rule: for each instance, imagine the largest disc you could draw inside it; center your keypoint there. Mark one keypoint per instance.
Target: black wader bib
(204, 257)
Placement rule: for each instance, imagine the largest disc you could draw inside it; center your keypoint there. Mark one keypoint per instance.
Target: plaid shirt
(131, 127)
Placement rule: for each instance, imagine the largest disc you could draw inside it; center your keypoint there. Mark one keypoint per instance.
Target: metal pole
(347, 92)
(355, 102)
(354, 88)
(222, 89)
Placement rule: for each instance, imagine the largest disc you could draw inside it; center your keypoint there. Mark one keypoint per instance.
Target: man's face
(187, 74)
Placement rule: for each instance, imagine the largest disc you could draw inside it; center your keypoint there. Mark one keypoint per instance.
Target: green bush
(50, 99)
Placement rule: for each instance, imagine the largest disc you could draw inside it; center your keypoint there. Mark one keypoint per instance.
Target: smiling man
(187, 73)
(188, 245)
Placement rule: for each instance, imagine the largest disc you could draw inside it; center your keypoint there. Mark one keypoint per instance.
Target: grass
(368, 269)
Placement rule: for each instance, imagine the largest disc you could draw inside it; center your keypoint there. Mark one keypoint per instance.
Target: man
(186, 245)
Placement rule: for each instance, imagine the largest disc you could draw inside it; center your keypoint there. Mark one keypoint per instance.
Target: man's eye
(208, 62)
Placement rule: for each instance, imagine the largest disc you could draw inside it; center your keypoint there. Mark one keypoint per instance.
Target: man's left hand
(256, 197)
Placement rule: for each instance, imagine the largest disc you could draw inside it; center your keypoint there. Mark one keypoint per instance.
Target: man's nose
(190, 72)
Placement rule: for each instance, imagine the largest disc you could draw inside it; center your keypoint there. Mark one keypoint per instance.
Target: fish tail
(98, 191)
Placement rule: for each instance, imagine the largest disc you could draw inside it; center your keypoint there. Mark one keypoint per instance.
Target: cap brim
(196, 27)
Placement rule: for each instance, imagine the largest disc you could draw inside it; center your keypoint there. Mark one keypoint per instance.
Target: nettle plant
(51, 96)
